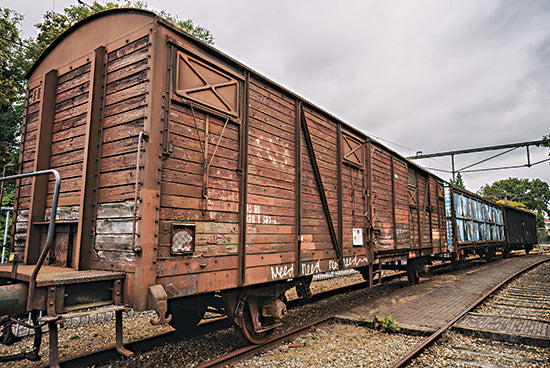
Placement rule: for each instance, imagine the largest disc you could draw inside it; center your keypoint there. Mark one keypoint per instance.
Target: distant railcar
(475, 224)
(521, 229)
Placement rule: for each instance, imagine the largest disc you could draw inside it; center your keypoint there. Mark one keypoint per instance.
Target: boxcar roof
(527, 212)
(107, 26)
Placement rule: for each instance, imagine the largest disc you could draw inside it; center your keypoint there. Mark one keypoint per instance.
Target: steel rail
(430, 339)
(251, 350)
(206, 326)
(215, 324)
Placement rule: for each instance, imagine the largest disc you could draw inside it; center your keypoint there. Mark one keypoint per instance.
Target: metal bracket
(14, 259)
(117, 292)
(51, 305)
(158, 301)
(240, 307)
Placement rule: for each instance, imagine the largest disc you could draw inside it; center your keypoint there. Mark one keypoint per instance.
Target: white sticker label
(357, 236)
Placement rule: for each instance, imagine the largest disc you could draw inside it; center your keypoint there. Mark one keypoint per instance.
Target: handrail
(143, 136)
(51, 226)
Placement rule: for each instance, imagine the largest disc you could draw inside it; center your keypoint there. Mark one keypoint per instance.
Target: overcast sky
(426, 76)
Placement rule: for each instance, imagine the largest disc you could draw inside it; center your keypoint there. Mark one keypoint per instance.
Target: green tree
(54, 24)
(458, 181)
(12, 86)
(515, 204)
(534, 194)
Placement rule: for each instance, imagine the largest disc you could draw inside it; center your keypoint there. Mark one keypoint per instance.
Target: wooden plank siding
(270, 211)
(124, 114)
(316, 239)
(353, 212)
(382, 199)
(26, 161)
(215, 216)
(69, 130)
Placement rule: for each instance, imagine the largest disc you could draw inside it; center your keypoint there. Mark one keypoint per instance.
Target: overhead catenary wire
(486, 159)
(18, 44)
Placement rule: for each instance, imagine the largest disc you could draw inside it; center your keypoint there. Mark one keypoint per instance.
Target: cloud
(429, 75)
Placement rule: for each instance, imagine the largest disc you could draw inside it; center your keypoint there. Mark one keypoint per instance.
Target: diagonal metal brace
(321, 189)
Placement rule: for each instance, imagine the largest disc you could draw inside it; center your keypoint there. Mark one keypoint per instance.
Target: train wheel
(302, 289)
(186, 313)
(528, 248)
(250, 317)
(455, 257)
(412, 271)
(490, 254)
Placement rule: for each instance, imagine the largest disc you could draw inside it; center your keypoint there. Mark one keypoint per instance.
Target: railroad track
(421, 347)
(215, 324)
(249, 351)
(209, 325)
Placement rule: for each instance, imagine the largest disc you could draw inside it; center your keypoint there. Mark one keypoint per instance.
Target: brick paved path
(518, 313)
(437, 300)
(518, 330)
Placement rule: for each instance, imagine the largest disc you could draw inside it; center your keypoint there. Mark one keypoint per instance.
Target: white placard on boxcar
(357, 236)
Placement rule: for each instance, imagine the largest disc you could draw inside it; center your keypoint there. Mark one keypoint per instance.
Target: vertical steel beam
(119, 336)
(39, 189)
(394, 219)
(453, 217)
(440, 226)
(453, 166)
(339, 160)
(88, 189)
(20, 168)
(429, 201)
(243, 185)
(170, 74)
(321, 189)
(298, 186)
(369, 198)
(54, 344)
(147, 237)
(418, 210)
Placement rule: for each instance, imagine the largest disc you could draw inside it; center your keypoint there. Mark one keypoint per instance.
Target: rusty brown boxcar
(189, 180)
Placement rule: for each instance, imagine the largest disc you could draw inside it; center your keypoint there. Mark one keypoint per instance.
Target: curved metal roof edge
(79, 24)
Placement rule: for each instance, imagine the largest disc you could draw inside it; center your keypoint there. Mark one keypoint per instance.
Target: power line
(491, 168)
(18, 44)
(509, 167)
(83, 3)
(486, 159)
(388, 141)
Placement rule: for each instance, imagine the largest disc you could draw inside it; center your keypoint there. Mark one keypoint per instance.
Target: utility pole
(453, 166)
